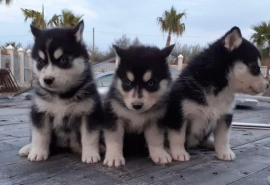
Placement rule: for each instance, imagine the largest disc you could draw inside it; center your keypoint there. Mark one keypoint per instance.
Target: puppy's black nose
(137, 106)
(48, 81)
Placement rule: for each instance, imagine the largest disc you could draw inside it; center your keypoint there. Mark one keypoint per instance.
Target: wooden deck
(252, 165)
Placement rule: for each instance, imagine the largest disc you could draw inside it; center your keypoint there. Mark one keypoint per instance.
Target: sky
(206, 20)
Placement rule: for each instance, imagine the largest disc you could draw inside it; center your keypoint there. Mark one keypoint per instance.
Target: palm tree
(66, 19)
(37, 17)
(171, 22)
(8, 2)
(261, 37)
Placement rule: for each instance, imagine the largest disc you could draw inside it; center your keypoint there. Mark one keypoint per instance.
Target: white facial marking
(242, 81)
(130, 76)
(48, 42)
(147, 76)
(58, 53)
(259, 62)
(64, 79)
(41, 55)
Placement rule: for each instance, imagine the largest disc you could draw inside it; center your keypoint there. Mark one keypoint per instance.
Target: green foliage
(171, 22)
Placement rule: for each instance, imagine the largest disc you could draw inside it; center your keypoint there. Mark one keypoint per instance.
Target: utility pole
(93, 52)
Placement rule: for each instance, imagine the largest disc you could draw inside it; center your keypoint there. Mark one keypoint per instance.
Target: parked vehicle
(104, 80)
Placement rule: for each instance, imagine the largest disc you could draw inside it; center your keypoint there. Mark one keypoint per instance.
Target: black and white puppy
(136, 102)
(202, 97)
(67, 110)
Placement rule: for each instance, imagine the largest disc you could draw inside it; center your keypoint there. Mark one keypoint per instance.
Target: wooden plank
(261, 177)
(250, 158)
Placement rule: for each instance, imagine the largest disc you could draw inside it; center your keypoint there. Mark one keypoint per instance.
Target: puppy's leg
(114, 145)
(90, 143)
(222, 137)
(177, 140)
(155, 140)
(41, 138)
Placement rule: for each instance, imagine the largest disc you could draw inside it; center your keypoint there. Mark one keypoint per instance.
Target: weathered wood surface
(252, 165)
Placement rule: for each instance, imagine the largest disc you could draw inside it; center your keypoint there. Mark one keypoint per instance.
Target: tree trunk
(168, 40)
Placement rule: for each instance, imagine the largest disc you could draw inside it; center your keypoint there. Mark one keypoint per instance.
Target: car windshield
(104, 81)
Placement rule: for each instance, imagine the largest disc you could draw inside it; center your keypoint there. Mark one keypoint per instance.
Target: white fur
(155, 140)
(222, 137)
(90, 144)
(177, 144)
(64, 79)
(130, 76)
(200, 115)
(137, 121)
(24, 151)
(41, 138)
(114, 146)
(148, 99)
(147, 76)
(242, 81)
(58, 53)
(41, 54)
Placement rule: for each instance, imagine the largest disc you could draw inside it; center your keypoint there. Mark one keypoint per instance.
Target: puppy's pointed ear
(118, 51)
(35, 31)
(233, 39)
(78, 31)
(165, 52)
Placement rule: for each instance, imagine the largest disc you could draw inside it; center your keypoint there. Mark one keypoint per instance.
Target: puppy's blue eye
(150, 83)
(63, 60)
(128, 83)
(40, 61)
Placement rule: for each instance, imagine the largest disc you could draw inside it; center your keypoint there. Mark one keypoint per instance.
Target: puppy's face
(143, 76)
(59, 56)
(245, 75)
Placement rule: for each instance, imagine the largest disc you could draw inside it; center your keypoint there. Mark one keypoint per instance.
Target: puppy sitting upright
(67, 109)
(201, 99)
(136, 101)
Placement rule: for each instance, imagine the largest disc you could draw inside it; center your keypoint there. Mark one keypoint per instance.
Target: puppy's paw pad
(38, 154)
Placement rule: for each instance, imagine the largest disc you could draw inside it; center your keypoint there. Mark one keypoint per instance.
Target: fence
(19, 62)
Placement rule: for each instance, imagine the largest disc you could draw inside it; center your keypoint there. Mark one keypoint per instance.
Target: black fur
(137, 60)
(206, 74)
(84, 89)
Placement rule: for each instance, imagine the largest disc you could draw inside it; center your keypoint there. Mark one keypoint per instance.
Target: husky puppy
(201, 98)
(67, 110)
(136, 102)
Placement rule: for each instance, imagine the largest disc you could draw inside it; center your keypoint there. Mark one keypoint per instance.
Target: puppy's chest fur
(66, 117)
(203, 118)
(135, 122)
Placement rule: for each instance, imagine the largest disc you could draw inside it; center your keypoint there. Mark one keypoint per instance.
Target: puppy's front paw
(90, 157)
(179, 154)
(226, 154)
(160, 156)
(38, 154)
(24, 151)
(114, 160)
